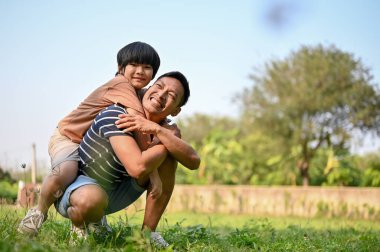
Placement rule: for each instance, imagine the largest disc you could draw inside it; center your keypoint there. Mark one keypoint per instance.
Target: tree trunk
(303, 166)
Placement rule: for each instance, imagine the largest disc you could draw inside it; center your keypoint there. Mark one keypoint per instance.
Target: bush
(8, 191)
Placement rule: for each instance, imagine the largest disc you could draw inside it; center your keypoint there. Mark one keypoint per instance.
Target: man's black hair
(139, 53)
(185, 84)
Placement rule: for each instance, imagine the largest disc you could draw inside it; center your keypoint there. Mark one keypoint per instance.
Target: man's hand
(131, 123)
(173, 128)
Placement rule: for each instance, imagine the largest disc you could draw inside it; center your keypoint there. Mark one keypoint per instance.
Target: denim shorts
(126, 192)
(62, 149)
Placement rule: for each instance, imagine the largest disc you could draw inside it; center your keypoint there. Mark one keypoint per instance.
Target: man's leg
(154, 208)
(87, 205)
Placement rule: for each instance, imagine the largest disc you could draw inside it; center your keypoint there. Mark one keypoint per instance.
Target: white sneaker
(104, 224)
(77, 234)
(32, 222)
(158, 241)
(100, 228)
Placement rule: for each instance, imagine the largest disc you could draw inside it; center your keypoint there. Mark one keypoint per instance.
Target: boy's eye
(148, 67)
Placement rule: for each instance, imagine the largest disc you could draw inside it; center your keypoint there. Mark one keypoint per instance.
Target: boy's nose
(139, 69)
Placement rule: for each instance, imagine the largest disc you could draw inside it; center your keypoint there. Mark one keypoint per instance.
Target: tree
(315, 97)
(6, 176)
(196, 128)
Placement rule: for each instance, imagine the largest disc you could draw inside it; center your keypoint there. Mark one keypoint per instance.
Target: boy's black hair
(139, 53)
(185, 84)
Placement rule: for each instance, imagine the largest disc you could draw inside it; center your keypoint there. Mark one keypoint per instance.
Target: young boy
(138, 63)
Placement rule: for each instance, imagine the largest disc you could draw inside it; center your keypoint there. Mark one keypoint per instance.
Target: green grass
(200, 232)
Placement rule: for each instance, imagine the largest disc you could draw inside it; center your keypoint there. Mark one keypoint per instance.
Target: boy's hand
(155, 186)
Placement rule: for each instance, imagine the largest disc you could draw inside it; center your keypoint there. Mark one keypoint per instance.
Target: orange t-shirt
(117, 90)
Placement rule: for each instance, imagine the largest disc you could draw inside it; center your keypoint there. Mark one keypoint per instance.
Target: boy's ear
(176, 111)
(119, 69)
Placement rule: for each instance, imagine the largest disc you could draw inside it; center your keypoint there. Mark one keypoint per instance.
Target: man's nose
(162, 94)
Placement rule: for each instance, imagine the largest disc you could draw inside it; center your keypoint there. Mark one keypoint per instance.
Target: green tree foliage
(341, 171)
(370, 165)
(8, 187)
(314, 98)
(216, 140)
(197, 127)
(6, 176)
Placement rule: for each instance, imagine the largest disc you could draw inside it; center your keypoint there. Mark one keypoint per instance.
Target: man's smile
(156, 102)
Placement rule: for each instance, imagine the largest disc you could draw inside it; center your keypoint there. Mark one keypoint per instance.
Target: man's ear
(176, 111)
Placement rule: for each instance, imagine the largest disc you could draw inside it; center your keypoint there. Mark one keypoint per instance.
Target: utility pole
(34, 164)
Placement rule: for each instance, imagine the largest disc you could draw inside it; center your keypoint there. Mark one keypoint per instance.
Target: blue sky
(54, 53)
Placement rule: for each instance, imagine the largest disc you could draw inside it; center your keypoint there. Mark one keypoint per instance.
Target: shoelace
(35, 220)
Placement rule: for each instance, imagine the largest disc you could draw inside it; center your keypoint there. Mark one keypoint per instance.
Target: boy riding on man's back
(138, 63)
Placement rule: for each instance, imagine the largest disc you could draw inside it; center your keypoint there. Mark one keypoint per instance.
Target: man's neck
(153, 118)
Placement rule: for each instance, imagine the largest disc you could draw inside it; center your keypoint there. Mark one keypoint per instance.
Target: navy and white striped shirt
(97, 158)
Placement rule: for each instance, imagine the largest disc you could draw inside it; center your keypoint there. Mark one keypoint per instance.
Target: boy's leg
(64, 158)
(154, 208)
(55, 184)
(64, 163)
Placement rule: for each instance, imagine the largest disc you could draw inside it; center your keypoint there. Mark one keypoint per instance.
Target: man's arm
(178, 148)
(137, 163)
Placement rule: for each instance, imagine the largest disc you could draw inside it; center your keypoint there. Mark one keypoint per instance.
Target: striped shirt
(97, 158)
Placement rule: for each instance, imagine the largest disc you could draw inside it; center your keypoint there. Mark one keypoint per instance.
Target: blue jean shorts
(126, 192)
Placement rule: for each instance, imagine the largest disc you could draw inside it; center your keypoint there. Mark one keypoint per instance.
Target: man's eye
(172, 96)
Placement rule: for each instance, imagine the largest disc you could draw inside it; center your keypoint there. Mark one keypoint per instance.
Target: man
(114, 172)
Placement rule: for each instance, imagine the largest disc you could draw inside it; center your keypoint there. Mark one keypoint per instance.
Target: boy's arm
(125, 94)
(178, 148)
(142, 139)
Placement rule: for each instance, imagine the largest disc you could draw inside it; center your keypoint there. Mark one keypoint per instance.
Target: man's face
(139, 74)
(163, 98)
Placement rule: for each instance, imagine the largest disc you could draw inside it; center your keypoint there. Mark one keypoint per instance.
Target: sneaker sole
(27, 231)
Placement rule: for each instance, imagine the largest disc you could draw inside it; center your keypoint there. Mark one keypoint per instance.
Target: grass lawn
(200, 232)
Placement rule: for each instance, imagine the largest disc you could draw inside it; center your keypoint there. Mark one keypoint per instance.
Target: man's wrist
(158, 130)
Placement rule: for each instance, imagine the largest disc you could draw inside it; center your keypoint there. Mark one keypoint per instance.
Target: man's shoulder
(112, 111)
(105, 121)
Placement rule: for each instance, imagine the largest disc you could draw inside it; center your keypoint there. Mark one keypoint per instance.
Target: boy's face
(139, 74)
(163, 98)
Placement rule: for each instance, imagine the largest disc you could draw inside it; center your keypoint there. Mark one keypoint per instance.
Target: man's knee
(88, 203)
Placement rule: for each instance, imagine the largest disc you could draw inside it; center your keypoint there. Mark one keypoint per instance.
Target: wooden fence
(352, 202)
